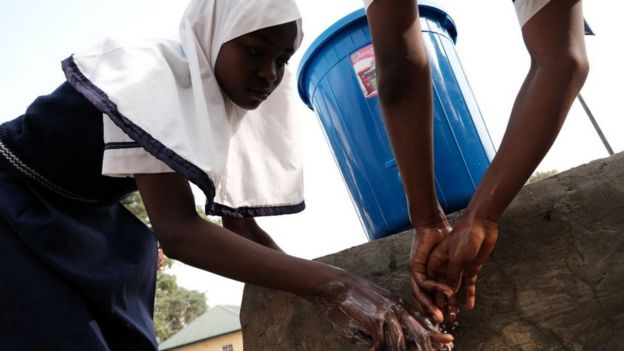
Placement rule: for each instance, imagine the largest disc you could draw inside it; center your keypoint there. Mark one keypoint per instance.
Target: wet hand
(424, 241)
(457, 260)
(364, 312)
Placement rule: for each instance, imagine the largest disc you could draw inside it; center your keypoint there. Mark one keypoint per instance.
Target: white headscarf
(164, 95)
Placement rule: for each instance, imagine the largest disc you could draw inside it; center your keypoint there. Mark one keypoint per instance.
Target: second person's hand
(423, 287)
(458, 258)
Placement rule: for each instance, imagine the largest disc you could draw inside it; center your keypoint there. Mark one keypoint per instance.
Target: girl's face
(250, 67)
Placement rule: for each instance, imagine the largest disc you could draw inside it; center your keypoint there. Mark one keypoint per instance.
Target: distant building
(218, 329)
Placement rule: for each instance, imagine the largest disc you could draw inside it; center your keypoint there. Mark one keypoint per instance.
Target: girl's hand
(162, 259)
(362, 311)
(423, 288)
(458, 259)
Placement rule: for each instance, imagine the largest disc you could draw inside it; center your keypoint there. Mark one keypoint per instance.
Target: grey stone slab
(554, 282)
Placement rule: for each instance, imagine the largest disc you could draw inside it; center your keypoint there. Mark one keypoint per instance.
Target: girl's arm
(186, 237)
(249, 228)
(357, 308)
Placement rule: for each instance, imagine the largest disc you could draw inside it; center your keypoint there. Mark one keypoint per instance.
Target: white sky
(35, 35)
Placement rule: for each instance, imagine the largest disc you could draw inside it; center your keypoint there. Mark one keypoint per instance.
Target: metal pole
(595, 124)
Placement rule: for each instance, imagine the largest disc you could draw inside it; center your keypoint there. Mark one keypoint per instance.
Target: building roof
(219, 320)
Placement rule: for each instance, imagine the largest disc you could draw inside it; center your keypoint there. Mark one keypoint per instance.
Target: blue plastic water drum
(336, 79)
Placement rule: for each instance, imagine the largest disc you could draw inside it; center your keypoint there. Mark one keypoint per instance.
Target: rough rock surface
(554, 282)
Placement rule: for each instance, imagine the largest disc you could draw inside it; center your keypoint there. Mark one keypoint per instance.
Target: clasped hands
(445, 262)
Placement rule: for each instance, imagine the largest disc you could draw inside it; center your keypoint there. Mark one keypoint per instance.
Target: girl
(443, 260)
(79, 269)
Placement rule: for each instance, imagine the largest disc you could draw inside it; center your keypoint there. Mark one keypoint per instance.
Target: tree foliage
(175, 307)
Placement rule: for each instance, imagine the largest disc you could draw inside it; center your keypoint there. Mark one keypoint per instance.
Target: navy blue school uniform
(77, 270)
